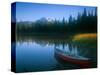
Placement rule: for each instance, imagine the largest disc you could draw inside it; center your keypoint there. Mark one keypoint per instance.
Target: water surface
(34, 54)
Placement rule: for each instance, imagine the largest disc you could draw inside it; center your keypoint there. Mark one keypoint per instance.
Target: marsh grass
(84, 38)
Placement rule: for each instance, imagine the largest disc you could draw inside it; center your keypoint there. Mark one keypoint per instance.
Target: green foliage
(85, 22)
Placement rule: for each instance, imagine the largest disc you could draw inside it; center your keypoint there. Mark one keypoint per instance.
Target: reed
(85, 38)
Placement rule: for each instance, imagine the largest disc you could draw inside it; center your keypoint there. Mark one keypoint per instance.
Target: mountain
(42, 20)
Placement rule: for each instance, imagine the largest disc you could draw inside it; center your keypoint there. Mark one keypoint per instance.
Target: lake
(37, 53)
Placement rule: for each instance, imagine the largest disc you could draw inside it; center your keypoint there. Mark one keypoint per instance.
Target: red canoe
(79, 60)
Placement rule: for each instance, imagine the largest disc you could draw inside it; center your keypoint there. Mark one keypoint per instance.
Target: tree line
(85, 22)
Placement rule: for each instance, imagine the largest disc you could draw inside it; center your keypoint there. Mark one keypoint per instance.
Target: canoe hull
(69, 59)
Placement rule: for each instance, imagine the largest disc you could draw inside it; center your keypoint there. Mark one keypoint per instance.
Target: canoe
(83, 62)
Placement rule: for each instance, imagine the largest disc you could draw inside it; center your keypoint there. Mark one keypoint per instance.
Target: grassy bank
(89, 39)
(86, 37)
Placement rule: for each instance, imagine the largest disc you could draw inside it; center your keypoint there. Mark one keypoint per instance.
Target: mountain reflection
(44, 40)
(83, 49)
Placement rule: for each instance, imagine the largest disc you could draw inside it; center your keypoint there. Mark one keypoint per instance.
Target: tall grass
(85, 38)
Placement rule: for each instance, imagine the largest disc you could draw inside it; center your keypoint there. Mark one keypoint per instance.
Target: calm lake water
(34, 54)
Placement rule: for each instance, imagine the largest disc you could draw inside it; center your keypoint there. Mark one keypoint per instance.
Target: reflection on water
(38, 54)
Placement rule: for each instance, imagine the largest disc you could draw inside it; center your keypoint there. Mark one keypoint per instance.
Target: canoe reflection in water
(71, 55)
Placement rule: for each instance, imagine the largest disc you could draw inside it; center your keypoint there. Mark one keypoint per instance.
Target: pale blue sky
(35, 11)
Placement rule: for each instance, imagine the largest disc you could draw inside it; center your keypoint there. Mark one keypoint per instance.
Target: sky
(35, 11)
